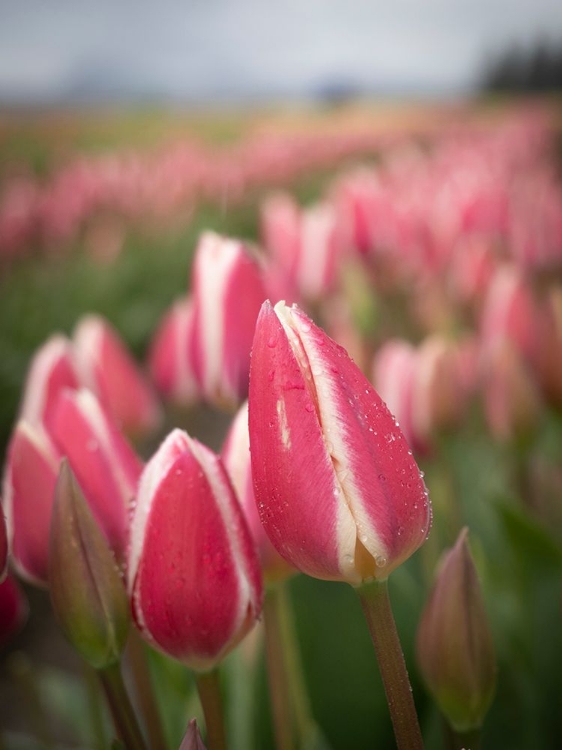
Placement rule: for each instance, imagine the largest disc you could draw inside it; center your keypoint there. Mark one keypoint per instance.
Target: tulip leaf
(529, 539)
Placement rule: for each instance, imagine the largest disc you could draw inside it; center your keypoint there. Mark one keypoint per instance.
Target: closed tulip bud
(169, 363)
(338, 491)
(193, 572)
(192, 739)
(320, 252)
(454, 643)
(106, 466)
(227, 292)
(51, 371)
(107, 369)
(393, 377)
(87, 592)
(511, 398)
(438, 395)
(281, 233)
(13, 609)
(236, 458)
(29, 482)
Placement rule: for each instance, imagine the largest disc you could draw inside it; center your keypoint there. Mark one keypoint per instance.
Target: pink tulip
(105, 465)
(227, 292)
(193, 572)
(169, 362)
(320, 253)
(52, 370)
(29, 484)
(236, 458)
(393, 377)
(338, 491)
(107, 369)
(281, 233)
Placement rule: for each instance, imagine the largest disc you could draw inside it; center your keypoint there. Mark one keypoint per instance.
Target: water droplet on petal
(380, 561)
(272, 342)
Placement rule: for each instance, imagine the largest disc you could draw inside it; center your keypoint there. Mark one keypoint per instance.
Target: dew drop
(272, 342)
(309, 408)
(305, 327)
(382, 478)
(271, 375)
(380, 561)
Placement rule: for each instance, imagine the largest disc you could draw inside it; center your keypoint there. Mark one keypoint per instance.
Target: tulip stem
(290, 706)
(122, 712)
(209, 689)
(376, 606)
(144, 690)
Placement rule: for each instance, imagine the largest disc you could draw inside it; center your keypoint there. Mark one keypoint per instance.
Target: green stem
(277, 672)
(122, 712)
(292, 716)
(208, 687)
(376, 605)
(144, 691)
(95, 707)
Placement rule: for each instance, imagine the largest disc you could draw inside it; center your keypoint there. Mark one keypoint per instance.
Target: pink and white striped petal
(105, 465)
(52, 369)
(237, 461)
(338, 490)
(193, 573)
(29, 485)
(169, 362)
(228, 291)
(107, 369)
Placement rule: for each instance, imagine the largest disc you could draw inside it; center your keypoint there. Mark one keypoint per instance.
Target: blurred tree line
(526, 68)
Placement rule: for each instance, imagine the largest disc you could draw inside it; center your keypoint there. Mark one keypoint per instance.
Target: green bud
(454, 643)
(87, 591)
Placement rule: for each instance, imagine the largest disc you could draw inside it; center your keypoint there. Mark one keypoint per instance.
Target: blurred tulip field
(136, 250)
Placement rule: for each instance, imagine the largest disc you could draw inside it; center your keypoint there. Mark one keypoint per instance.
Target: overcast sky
(232, 48)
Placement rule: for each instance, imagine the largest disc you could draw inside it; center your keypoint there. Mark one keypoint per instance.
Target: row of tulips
(107, 193)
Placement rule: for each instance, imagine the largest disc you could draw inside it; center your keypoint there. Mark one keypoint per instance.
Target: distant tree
(526, 69)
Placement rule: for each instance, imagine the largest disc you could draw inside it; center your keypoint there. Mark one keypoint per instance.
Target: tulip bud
(51, 371)
(393, 377)
(338, 491)
(320, 253)
(169, 363)
(236, 458)
(438, 396)
(281, 233)
(454, 644)
(227, 293)
(13, 609)
(106, 466)
(87, 593)
(193, 573)
(109, 371)
(192, 739)
(29, 483)
(511, 398)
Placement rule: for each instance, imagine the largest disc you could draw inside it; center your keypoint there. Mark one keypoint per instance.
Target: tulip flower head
(193, 573)
(29, 483)
(337, 488)
(236, 458)
(107, 369)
